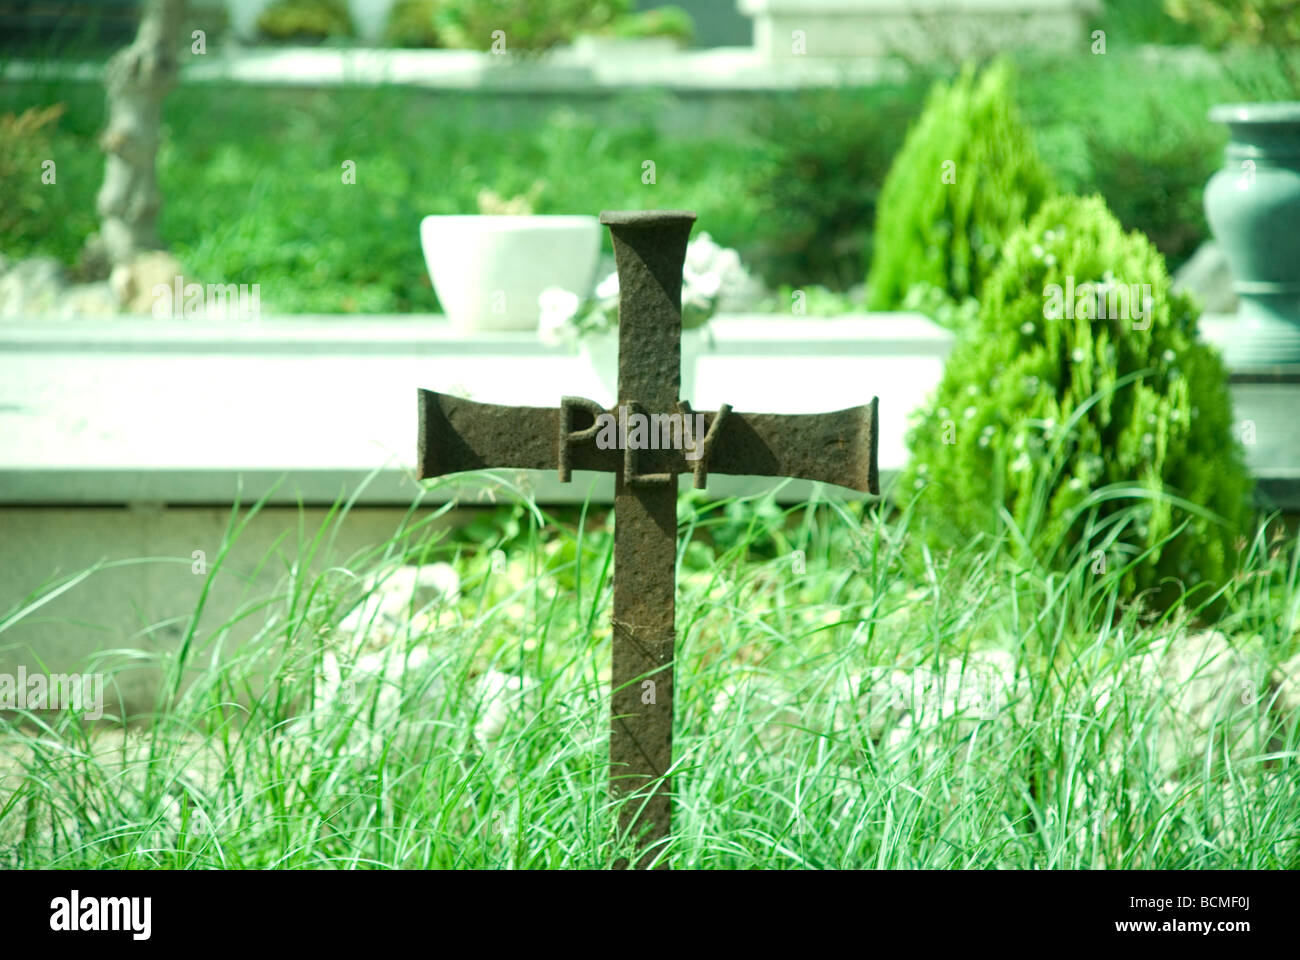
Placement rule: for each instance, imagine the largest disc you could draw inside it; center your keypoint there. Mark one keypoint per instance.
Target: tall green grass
(787, 752)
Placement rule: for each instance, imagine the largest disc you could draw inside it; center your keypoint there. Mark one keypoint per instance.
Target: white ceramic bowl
(488, 271)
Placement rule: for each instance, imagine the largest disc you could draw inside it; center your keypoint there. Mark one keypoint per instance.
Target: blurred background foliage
(251, 176)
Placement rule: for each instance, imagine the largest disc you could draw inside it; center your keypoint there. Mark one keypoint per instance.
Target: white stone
(1208, 277)
(980, 688)
(378, 677)
(396, 597)
(88, 300)
(243, 16)
(135, 282)
(918, 29)
(498, 696)
(1288, 690)
(370, 18)
(32, 287)
(595, 49)
(1210, 699)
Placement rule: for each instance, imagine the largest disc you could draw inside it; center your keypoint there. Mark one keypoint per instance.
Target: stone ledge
(142, 410)
(565, 72)
(916, 28)
(164, 412)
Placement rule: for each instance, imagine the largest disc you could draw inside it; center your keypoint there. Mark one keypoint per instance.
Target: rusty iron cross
(457, 435)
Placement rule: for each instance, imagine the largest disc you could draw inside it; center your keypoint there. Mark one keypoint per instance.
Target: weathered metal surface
(840, 447)
(457, 434)
(649, 251)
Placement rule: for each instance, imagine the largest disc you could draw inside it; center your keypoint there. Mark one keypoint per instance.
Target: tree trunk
(137, 79)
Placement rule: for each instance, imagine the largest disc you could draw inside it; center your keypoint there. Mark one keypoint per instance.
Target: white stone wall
(917, 29)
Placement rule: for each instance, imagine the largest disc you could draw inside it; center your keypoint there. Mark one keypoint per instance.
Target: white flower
(1077, 355)
(696, 286)
(559, 302)
(710, 272)
(558, 308)
(1027, 327)
(730, 271)
(700, 254)
(608, 288)
(551, 329)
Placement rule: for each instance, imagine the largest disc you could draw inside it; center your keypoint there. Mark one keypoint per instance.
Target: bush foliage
(1085, 427)
(530, 26)
(411, 24)
(306, 19)
(966, 177)
(822, 156)
(1245, 22)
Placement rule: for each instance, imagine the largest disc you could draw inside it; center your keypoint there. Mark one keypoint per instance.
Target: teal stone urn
(1253, 206)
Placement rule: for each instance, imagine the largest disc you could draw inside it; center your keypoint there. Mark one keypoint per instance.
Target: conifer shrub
(1084, 404)
(526, 27)
(306, 20)
(411, 24)
(966, 177)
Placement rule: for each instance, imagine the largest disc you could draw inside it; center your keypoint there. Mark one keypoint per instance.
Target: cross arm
(456, 434)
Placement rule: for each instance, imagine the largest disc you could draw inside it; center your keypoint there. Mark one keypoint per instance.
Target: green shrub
(669, 21)
(25, 144)
(821, 158)
(966, 177)
(306, 19)
(1154, 178)
(40, 215)
(530, 26)
(1110, 125)
(1134, 22)
(1246, 22)
(1079, 426)
(411, 24)
(1267, 32)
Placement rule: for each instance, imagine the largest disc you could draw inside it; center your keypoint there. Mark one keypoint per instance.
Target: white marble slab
(150, 411)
